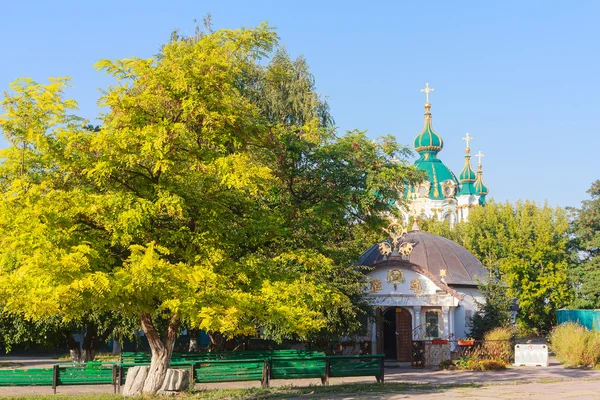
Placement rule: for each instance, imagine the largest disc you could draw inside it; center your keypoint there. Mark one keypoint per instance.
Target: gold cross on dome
(467, 139)
(442, 273)
(480, 154)
(427, 90)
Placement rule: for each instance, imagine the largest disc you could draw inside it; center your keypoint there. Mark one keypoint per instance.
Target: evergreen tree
(494, 312)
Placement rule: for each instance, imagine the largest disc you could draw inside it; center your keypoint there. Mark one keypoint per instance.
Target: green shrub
(497, 344)
(575, 346)
(474, 364)
(492, 365)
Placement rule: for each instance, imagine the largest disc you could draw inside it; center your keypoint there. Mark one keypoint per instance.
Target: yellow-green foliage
(575, 345)
(497, 344)
(200, 201)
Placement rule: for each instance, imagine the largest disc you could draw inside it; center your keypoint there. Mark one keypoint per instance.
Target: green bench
(340, 366)
(297, 367)
(266, 365)
(231, 371)
(61, 374)
(86, 375)
(143, 357)
(27, 377)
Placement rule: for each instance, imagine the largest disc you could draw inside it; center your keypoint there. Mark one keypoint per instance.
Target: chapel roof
(434, 253)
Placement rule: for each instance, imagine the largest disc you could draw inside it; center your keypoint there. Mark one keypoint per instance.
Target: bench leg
(55, 378)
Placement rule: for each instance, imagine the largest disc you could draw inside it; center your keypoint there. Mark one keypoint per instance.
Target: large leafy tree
(586, 227)
(527, 246)
(526, 249)
(203, 200)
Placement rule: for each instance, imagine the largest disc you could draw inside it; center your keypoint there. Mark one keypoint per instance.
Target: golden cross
(427, 90)
(442, 273)
(480, 154)
(467, 139)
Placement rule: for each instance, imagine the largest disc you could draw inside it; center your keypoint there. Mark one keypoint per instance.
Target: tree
(32, 178)
(196, 204)
(527, 247)
(493, 312)
(586, 227)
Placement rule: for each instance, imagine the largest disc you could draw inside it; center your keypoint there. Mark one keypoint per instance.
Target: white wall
(467, 308)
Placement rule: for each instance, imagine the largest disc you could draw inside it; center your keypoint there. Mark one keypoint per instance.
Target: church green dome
(441, 181)
(467, 174)
(480, 187)
(428, 139)
(467, 177)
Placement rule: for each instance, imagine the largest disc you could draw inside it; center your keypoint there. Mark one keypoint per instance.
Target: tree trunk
(161, 352)
(193, 340)
(217, 341)
(73, 347)
(90, 343)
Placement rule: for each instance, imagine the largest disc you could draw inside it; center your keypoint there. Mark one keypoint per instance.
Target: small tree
(494, 312)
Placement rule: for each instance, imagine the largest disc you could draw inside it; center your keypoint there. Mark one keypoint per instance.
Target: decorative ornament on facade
(415, 286)
(396, 277)
(405, 249)
(443, 275)
(424, 189)
(449, 188)
(375, 286)
(395, 245)
(385, 248)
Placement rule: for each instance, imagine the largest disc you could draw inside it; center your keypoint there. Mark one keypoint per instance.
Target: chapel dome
(434, 253)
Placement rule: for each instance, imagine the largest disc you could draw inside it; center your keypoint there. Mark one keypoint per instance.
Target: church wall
(466, 310)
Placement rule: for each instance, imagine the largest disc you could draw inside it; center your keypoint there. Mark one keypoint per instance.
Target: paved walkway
(554, 382)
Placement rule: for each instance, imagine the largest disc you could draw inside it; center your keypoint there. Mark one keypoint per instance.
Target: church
(442, 195)
(424, 286)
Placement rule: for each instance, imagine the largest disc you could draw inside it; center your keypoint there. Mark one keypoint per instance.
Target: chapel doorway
(397, 334)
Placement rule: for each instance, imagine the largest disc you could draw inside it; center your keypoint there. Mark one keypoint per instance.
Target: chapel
(423, 287)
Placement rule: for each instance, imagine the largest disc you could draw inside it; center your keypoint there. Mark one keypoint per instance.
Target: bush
(575, 346)
(474, 364)
(492, 365)
(497, 344)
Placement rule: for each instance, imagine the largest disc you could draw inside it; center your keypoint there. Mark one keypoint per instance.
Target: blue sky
(520, 77)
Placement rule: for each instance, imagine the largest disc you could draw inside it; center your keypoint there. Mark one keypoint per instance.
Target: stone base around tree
(176, 381)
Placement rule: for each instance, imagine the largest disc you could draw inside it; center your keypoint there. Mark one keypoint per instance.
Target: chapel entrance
(397, 334)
